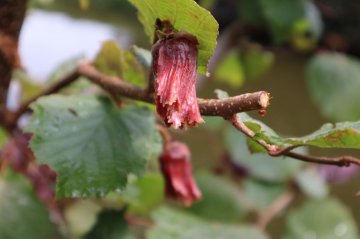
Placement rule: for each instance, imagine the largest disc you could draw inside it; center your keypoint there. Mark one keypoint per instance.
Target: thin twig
(274, 209)
(67, 80)
(116, 86)
(165, 134)
(151, 83)
(208, 107)
(342, 161)
(238, 124)
(276, 151)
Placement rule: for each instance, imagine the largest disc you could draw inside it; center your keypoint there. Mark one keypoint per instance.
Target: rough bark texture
(12, 13)
(114, 85)
(232, 105)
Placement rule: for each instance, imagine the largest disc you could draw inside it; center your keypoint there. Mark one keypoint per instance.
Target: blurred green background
(55, 31)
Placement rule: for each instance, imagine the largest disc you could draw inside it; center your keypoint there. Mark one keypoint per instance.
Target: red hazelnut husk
(174, 68)
(177, 171)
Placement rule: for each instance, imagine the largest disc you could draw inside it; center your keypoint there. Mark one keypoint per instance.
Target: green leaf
(3, 137)
(145, 194)
(300, 39)
(339, 135)
(84, 4)
(110, 225)
(307, 30)
(312, 184)
(334, 83)
(250, 11)
(255, 147)
(326, 218)
(113, 60)
(222, 201)
(90, 143)
(184, 15)
(260, 165)
(108, 60)
(282, 15)
(178, 225)
(262, 194)
(230, 70)
(22, 215)
(256, 61)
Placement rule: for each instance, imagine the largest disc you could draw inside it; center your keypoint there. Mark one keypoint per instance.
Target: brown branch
(342, 161)
(232, 105)
(238, 124)
(274, 209)
(151, 83)
(276, 151)
(116, 86)
(165, 135)
(208, 107)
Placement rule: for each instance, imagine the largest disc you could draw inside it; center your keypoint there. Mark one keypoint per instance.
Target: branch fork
(276, 151)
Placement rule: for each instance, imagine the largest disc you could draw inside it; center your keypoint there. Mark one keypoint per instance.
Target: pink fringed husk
(177, 171)
(174, 67)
